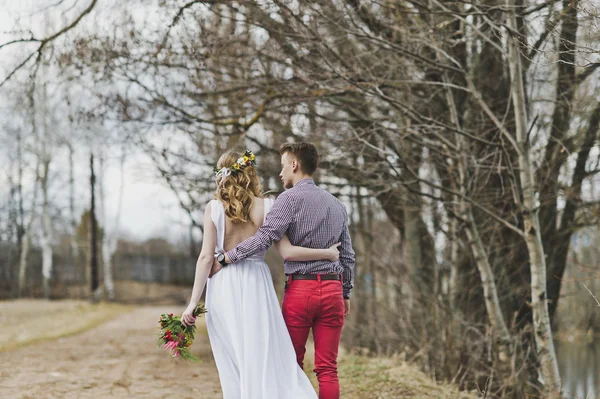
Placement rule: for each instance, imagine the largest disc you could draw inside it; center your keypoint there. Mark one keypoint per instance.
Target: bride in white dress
(249, 339)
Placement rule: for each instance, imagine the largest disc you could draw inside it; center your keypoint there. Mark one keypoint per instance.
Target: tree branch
(590, 69)
(45, 41)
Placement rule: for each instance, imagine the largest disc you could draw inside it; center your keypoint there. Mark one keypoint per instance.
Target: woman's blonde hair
(237, 191)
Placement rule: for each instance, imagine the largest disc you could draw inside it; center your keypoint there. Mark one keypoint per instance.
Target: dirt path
(118, 359)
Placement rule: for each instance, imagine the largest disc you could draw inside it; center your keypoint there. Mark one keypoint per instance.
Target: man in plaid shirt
(317, 293)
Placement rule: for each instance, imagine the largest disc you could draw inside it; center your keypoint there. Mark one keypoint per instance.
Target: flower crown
(247, 159)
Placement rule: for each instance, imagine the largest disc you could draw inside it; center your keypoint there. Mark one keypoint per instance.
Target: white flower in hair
(223, 173)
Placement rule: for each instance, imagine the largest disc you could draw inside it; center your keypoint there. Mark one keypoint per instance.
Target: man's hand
(216, 267)
(346, 307)
(334, 252)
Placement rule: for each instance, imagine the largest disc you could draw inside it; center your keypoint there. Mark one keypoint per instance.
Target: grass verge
(384, 378)
(27, 321)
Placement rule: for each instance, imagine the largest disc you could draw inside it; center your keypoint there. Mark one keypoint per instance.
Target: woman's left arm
(203, 266)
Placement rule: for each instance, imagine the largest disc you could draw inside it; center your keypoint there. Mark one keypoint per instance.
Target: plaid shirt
(311, 218)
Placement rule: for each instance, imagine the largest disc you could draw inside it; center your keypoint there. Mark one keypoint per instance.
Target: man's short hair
(305, 153)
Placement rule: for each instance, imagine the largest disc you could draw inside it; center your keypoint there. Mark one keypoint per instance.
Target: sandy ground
(118, 359)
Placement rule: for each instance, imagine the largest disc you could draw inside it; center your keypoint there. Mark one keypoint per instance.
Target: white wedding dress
(250, 342)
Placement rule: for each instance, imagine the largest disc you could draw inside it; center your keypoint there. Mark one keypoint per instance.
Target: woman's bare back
(236, 233)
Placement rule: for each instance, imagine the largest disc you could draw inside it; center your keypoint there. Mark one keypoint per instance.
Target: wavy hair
(237, 191)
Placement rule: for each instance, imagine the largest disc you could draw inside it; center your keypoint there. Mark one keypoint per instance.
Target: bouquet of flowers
(175, 338)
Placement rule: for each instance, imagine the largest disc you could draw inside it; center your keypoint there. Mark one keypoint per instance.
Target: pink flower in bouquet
(170, 346)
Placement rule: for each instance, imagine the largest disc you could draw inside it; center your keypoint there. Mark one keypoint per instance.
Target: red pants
(318, 305)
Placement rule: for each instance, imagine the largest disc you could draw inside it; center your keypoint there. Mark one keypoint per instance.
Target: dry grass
(361, 377)
(28, 321)
(384, 378)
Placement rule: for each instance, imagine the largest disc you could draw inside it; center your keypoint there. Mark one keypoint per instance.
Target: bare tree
(532, 235)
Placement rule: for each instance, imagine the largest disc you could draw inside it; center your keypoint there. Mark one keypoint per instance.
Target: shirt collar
(302, 182)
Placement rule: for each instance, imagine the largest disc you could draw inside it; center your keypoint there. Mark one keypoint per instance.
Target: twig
(593, 296)
(530, 130)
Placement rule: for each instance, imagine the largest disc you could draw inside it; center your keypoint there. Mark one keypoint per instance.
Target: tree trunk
(107, 252)
(21, 216)
(555, 238)
(560, 251)
(73, 217)
(453, 279)
(488, 282)
(541, 318)
(94, 283)
(106, 237)
(27, 237)
(47, 236)
(373, 320)
(412, 246)
(109, 239)
(480, 256)
(23, 258)
(365, 224)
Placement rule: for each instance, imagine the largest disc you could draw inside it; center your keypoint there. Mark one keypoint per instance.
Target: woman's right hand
(334, 253)
(187, 318)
